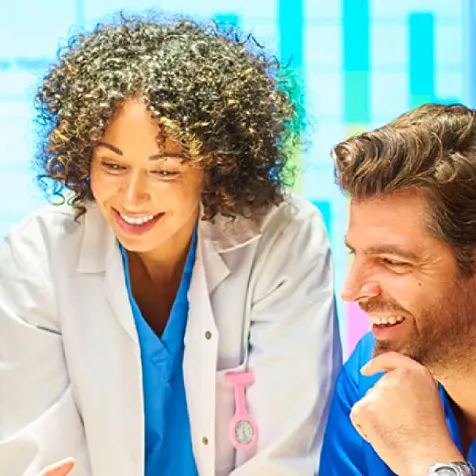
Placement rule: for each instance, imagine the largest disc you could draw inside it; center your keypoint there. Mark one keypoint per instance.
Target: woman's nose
(135, 192)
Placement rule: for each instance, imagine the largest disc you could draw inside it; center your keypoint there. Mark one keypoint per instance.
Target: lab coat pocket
(225, 409)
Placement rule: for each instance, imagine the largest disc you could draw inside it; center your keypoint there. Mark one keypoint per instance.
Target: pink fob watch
(242, 430)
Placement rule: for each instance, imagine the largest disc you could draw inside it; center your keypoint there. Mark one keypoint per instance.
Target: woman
(178, 265)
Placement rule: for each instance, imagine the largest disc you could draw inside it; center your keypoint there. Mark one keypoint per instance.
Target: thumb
(387, 362)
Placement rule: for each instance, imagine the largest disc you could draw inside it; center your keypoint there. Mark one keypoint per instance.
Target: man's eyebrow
(394, 250)
(110, 147)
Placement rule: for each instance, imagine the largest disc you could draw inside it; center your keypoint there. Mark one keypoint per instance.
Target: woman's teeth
(137, 220)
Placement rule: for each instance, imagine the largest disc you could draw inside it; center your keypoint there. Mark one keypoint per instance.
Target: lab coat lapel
(100, 254)
(214, 268)
(122, 396)
(201, 350)
(119, 300)
(215, 240)
(116, 292)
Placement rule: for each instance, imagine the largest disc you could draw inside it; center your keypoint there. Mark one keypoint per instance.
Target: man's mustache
(381, 305)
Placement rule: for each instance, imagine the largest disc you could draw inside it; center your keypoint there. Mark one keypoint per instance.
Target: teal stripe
(356, 58)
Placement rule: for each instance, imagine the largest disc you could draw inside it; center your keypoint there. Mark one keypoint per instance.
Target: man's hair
(230, 104)
(431, 148)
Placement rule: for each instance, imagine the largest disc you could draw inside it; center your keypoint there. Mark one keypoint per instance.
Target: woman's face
(147, 192)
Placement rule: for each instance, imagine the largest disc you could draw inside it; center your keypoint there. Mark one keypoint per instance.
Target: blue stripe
(325, 207)
(421, 28)
(290, 21)
(471, 44)
(356, 30)
(80, 13)
(227, 19)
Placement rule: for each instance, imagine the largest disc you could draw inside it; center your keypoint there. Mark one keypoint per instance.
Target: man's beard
(445, 339)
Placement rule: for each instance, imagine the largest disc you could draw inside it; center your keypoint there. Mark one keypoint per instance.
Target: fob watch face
(244, 432)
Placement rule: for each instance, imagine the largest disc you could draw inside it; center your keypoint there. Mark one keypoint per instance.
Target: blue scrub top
(168, 444)
(344, 451)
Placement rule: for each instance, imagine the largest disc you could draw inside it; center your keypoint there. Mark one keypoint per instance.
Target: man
(405, 402)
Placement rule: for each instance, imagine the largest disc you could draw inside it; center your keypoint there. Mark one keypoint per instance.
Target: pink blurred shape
(357, 325)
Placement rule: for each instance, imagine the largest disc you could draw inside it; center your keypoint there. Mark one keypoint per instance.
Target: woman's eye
(112, 166)
(166, 173)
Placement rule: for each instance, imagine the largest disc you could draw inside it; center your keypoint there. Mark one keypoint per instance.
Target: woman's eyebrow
(110, 147)
(165, 156)
(118, 151)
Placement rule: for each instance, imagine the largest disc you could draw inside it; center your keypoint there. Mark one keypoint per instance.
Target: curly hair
(230, 105)
(432, 148)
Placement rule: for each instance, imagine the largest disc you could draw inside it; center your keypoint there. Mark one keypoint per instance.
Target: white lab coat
(70, 369)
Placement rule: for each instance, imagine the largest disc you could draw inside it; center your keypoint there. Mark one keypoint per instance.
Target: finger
(61, 468)
(387, 362)
(369, 391)
(361, 432)
(355, 421)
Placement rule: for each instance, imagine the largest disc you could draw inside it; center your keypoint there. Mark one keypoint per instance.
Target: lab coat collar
(220, 236)
(99, 253)
(227, 234)
(98, 242)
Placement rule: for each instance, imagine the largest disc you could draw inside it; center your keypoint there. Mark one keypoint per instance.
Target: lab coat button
(205, 440)
(208, 335)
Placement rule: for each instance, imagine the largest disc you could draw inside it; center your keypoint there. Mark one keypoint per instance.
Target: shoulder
(293, 222)
(40, 231)
(44, 223)
(52, 238)
(293, 256)
(27, 256)
(295, 225)
(294, 212)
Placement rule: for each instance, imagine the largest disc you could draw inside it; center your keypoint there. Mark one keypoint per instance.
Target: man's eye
(392, 262)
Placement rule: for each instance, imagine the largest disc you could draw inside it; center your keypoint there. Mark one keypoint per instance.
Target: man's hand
(62, 468)
(402, 416)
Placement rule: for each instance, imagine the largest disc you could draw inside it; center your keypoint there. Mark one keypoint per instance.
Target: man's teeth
(137, 220)
(385, 320)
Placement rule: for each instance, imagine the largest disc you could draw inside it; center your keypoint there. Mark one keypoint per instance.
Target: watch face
(447, 471)
(244, 432)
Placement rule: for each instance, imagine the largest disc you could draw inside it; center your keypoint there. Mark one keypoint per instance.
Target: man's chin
(381, 347)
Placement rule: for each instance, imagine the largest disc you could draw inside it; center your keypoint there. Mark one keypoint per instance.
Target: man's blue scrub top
(344, 451)
(168, 444)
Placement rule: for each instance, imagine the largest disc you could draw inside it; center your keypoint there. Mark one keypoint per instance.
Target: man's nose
(359, 285)
(367, 291)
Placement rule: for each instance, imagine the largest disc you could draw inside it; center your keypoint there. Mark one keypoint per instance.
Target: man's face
(408, 283)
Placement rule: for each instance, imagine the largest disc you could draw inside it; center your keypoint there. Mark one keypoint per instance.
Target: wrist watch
(459, 468)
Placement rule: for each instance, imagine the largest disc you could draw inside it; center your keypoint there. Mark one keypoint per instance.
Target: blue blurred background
(363, 62)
